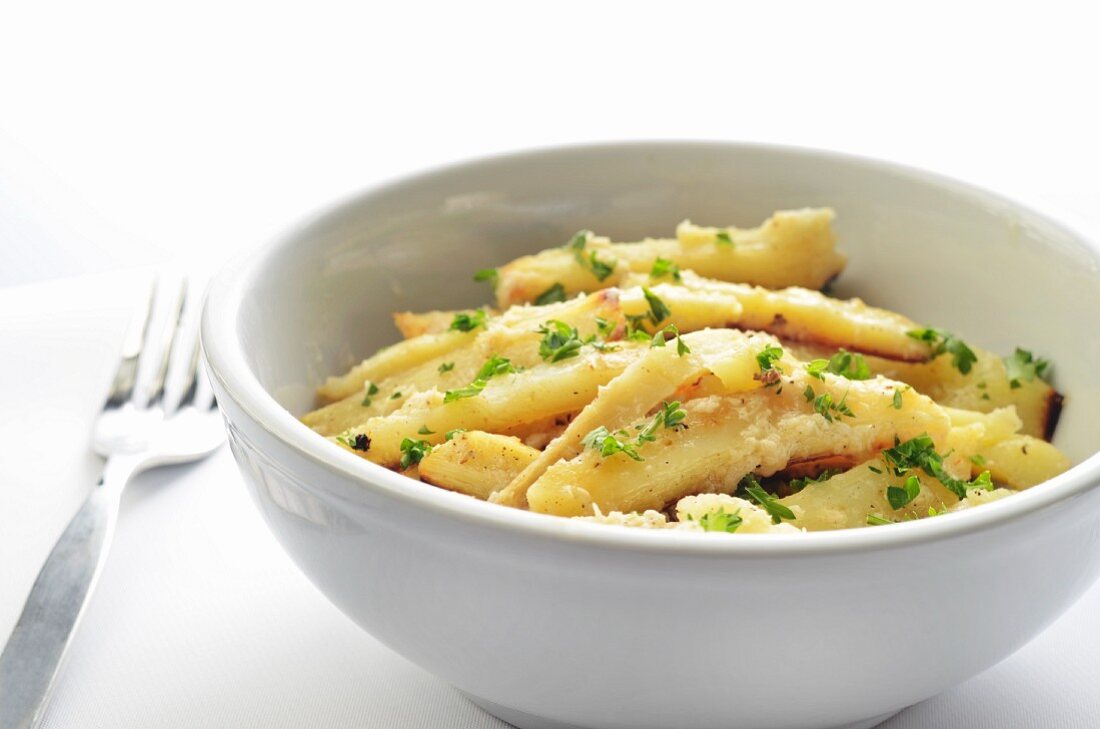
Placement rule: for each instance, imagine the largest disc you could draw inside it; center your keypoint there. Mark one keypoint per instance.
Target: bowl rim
(227, 365)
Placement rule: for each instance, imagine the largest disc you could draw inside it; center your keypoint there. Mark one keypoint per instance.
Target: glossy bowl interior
(550, 623)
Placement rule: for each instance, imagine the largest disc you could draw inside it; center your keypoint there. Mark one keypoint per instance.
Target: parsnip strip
(414, 324)
(727, 437)
(845, 500)
(802, 315)
(792, 248)
(542, 391)
(476, 463)
(985, 388)
(642, 386)
(391, 360)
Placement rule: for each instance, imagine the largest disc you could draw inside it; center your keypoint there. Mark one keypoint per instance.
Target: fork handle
(36, 649)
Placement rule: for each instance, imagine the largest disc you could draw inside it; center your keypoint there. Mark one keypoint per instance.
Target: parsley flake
(920, 452)
(495, 365)
(1023, 365)
(424, 430)
(665, 267)
(488, 274)
(768, 362)
(797, 484)
(600, 269)
(467, 321)
(944, 342)
(659, 340)
(723, 238)
(560, 341)
(413, 451)
(450, 435)
(372, 390)
(670, 417)
(552, 295)
(777, 511)
(446, 367)
(658, 311)
(721, 520)
(825, 406)
(876, 520)
(607, 444)
(605, 327)
(900, 496)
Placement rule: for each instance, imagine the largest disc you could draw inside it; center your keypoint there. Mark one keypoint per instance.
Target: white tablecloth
(200, 620)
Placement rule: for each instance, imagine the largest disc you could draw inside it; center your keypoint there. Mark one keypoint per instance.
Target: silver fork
(158, 413)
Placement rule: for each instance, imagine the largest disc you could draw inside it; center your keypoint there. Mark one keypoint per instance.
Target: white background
(138, 134)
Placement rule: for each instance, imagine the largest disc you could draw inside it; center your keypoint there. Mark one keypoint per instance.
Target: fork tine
(122, 387)
(204, 393)
(168, 341)
(190, 382)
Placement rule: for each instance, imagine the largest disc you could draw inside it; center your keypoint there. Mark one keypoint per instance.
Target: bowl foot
(523, 720)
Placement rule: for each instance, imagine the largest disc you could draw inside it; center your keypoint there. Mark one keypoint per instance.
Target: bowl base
(524, 720)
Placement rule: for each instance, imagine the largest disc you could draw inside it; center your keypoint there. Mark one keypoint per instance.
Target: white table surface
(134, 136)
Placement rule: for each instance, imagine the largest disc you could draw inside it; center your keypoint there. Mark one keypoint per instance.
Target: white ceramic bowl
(550, 623)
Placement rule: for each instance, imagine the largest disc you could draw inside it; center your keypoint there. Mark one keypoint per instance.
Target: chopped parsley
(578, 242)
(450, 435)
(413, 451)
(777, 511)
(897, 401)
(944, 342)
(357, 442)
(658, 340)
(560, 341)
(467, 321)
(600, 269)
(658, 311)
(825, 406)
(424, 430)
(1023, 365)
(920, 452)
(876, 520)
(495, 365)
(767, 358)
(605, 327)
(847, 364)
(768, 362)
(721, 520)
(488, 274)
(723, 238)
(900, 496)
(665, 267)
(671, 416)
(984, 481)
(977, 459)
(372, 390)
(797, 484)
(395, 395)
(552, 295)
(607, 444)
(446, 367)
